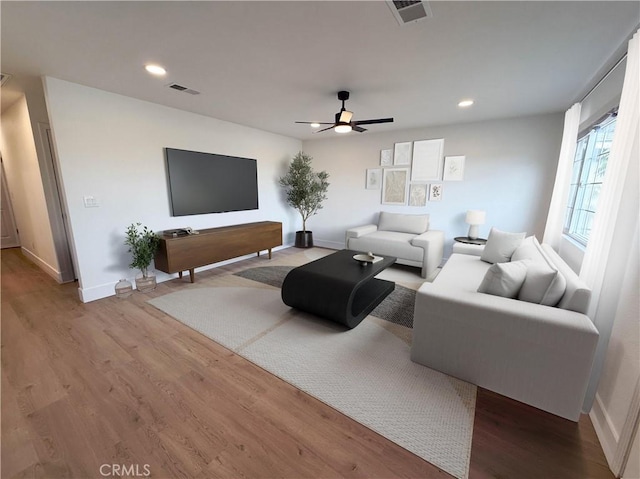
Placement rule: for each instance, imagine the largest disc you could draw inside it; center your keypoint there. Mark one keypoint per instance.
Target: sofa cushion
(500, 246)
(577, 295)
(526, 250)
(416, 224)
(544, 284)
(388, 243)
(504, 279)
(462, 272)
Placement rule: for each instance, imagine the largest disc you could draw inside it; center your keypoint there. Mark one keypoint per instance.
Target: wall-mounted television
(201, 183)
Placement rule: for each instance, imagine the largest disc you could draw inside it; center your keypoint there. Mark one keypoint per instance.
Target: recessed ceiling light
(155, 70)
(315, 125)
(465, 103)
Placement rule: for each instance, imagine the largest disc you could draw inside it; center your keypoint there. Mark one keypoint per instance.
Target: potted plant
(306, 190)
(143, 244)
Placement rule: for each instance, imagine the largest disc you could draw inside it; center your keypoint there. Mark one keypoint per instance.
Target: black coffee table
(337, 287)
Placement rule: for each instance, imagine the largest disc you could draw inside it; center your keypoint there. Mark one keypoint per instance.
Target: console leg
(192, 275)
(258, 253)
(269, 253)
(180, 274)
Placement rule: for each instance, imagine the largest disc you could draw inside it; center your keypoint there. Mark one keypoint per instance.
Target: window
(589, 166)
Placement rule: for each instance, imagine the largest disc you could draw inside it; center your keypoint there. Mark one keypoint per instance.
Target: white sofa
(537, 354)
(407, 237)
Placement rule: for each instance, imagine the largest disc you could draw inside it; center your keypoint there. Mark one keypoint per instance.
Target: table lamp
(474, 219)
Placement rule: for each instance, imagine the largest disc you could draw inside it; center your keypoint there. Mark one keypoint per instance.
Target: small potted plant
(306, 190)
(143, 244)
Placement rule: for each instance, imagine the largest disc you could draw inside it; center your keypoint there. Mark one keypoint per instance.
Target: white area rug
(365, 372)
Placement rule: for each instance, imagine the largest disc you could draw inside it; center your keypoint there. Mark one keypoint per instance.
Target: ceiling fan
(343, 123)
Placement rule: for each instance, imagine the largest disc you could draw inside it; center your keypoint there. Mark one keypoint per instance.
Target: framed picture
(394, 186)
(386, 157)
(374, 178)
(402, 153)
(435, 192)
(427, 160)
(417, 195)
(453, 168)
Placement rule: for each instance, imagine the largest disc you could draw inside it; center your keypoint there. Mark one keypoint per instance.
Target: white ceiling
(267, 64)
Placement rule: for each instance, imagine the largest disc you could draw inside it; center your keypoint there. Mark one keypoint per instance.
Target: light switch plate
(91, 202)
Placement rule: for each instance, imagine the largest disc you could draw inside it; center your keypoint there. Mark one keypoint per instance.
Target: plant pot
(146, 285)
(304, 239)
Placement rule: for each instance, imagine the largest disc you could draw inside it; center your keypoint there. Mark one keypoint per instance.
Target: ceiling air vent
(177, 87)
(409, 11)
(4, 78)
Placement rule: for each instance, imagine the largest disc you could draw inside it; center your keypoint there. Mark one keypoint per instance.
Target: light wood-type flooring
(117, 382)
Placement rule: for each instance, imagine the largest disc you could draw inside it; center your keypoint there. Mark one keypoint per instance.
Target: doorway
(8, 230)
(56, 205)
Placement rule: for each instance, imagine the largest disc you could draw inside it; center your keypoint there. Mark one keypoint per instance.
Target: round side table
(465, 240)
(464, 245)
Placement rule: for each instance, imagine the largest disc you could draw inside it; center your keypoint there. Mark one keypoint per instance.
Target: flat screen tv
(201, 183)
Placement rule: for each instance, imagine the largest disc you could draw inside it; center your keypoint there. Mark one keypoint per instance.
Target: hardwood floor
(115, 382)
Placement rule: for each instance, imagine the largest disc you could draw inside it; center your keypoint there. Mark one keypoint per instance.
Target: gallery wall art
(402, 153)
(453, 168)
(374, 178)
(394, 186)
(427, 160)
(413, 171)
(418, 195)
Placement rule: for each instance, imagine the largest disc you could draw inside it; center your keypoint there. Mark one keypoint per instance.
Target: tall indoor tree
(305, 190)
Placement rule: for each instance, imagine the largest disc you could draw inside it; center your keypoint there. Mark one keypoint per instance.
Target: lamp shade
(475, 217)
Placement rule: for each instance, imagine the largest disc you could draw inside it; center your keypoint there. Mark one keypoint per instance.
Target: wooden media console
(182, 253)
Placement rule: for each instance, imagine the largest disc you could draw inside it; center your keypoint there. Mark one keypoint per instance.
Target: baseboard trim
(629, 430)
(108, 289)
(43, 265)
(328, 244)
(605, 430)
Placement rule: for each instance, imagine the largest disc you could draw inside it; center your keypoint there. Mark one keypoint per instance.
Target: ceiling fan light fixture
(343, 123)
(342, 128)
(345, 116)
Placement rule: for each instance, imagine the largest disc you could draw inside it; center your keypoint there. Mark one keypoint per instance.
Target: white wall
(617, 363)
(111, 147)
(621, 370)
(26, 187)
(509, 171)
(632, 471)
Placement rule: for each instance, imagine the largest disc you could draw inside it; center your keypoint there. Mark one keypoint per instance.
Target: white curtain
(606, 217)
(560, 197)
(617, 216)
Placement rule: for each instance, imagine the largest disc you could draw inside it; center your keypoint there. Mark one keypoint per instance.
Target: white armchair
(407, 237)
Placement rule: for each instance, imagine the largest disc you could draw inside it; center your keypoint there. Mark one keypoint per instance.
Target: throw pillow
(415, 224)
(526, 250)
(504, 279)
(500, 246)
(544, 284)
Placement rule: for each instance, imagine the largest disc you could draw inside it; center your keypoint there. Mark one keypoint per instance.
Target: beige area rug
(364, 373)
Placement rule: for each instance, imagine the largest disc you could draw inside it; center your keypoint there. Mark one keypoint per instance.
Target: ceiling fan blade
(311, 122)
(372, 122)
(325, 129)
(357, 128)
